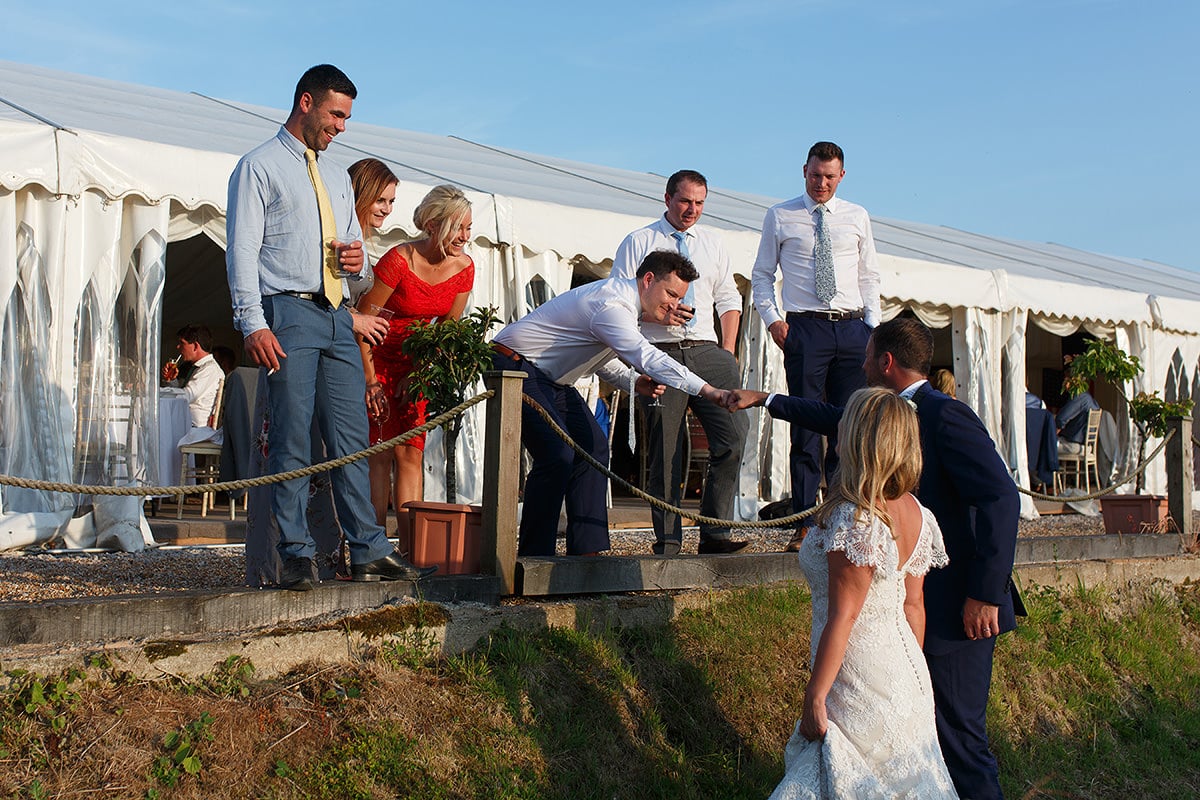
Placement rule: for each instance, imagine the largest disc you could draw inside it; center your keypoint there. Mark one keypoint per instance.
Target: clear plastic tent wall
(81, 281)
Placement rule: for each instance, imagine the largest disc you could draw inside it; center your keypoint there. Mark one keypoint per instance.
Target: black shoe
(713, 546)
(665, 548)
(297, 575)
(392, 567)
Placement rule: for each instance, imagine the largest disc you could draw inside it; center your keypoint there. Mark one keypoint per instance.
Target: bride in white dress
(867, 729)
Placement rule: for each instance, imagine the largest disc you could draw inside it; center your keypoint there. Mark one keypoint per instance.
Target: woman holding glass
(424, 280)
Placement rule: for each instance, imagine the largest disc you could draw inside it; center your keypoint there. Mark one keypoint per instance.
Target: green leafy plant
(182, 751)
(1148, 411)
(449, 357)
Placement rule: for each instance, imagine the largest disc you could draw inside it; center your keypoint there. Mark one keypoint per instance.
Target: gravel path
(31, 576)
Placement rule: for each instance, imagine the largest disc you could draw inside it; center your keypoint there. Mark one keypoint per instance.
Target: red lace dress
(412, 300)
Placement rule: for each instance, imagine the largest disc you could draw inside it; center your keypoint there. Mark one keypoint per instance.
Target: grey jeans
(666, 444)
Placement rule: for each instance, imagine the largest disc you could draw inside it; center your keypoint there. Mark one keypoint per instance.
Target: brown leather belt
(508, 351)
(831, 316)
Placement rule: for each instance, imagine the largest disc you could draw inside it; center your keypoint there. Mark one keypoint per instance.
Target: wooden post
(1179, 475)
(501, 476)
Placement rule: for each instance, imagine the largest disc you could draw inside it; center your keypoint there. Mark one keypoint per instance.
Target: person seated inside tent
(226, 358)
(195, 346)
(1072, 423)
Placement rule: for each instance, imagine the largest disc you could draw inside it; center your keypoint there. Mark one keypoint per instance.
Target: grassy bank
(1095, 697)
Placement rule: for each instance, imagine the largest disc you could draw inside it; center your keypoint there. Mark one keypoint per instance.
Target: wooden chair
(206, 457)
(1082, 463)
(696, 453)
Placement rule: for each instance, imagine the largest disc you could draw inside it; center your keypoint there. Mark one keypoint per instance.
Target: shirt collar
(810, 204)
(292, 144)
(910, 390)
(670, 230)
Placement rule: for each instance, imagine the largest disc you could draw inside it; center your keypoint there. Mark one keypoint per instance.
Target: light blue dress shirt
(273, 226)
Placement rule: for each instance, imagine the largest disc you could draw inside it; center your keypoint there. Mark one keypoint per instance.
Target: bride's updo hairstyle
(440, 212)
(879, 452)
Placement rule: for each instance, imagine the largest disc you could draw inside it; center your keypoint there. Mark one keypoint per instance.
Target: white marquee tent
(98, 179)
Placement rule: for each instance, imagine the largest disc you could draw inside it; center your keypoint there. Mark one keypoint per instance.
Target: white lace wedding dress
(881, 741)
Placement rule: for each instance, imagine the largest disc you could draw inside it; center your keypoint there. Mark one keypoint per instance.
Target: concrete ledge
(115, 618)
(1040, 549)
(539, 577)
(1114, 572)
(445, 629)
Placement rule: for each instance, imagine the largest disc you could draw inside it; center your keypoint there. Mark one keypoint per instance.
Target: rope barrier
(325, 466)
(244, 483)
(1129, 476)
(782, 522)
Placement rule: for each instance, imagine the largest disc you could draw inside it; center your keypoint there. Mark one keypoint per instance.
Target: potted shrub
(449, 358)
(1149, 413)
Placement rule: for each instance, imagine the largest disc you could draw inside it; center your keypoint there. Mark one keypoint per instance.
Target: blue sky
(1070, 121)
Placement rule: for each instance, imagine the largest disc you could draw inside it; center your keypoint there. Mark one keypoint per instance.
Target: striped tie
(689, 297)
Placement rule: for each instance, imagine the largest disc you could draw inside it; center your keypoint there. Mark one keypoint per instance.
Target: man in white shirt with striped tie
(690, 337)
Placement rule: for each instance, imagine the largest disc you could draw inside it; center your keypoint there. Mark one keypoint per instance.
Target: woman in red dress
(427, 279)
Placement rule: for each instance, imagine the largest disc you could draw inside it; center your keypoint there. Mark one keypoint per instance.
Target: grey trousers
(666, 429)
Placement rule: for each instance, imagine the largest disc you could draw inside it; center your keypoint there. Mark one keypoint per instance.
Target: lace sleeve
(865, 543)
(931, 547)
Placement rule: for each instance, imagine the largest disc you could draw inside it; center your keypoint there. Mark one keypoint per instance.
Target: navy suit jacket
(967, 487)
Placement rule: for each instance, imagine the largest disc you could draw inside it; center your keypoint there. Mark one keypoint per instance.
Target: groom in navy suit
(966, 485)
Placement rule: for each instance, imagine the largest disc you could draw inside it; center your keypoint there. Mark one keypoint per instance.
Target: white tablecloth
(174, 422)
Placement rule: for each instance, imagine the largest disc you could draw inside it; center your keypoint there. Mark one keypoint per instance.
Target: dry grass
(1093, 698)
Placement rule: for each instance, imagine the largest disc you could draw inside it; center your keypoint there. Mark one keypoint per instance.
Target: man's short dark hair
(322, 78)
(826, 151)
(909, 342)
(197, 334)
(663, 262)
(689, 175)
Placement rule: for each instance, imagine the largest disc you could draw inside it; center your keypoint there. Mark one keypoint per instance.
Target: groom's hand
(980, 620)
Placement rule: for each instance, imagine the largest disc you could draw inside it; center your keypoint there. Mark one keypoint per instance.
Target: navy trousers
(961, 679)
(322, 374)
(823, 361)
(558, 473)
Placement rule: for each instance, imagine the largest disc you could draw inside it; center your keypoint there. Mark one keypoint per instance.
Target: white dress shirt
(202, 388)
(580, 331)
(788, 239)
(714, 287)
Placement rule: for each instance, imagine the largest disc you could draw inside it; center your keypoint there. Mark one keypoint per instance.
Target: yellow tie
(333, 284)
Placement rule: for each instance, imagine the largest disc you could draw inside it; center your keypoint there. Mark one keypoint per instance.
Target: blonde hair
(943, 381)
(879, 451)
(440, 212)
(370, 177)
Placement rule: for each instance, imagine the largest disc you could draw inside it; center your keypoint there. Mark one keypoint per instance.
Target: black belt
(508, 352)
(313, 297)
(681, 344)
(831, 316)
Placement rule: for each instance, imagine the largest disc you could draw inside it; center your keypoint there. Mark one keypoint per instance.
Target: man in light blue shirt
(275, 262)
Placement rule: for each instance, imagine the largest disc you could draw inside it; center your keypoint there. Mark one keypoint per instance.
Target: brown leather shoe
(793, 546)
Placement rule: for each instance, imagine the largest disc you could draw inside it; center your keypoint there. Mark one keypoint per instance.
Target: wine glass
(379, 409)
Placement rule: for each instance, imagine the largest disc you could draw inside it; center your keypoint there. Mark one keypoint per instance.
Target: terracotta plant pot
(1134, 513)
(446, 535)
